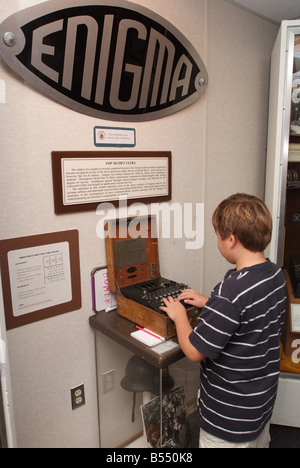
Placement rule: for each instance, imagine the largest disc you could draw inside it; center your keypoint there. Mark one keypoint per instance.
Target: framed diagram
(40, 277)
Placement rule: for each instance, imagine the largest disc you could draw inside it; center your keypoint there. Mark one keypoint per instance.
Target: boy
(237, 337)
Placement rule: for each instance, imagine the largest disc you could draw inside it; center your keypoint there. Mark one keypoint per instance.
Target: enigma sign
(109, 59)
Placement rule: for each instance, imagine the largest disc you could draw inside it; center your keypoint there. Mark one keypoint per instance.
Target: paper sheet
(147, 337)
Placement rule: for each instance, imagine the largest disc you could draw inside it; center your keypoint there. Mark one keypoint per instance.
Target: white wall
(218, 148)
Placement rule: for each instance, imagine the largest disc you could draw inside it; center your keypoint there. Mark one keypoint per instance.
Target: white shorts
(210, 441)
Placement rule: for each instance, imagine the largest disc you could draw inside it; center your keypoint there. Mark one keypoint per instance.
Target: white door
(279, 132)
(276, 177)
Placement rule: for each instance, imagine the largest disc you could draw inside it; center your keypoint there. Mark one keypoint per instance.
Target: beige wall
(239, 47)
(218, 148)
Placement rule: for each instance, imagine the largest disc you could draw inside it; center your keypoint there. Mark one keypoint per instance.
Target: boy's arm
(177, 313)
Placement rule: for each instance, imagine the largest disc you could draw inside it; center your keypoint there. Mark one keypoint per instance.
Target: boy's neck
(248, 259)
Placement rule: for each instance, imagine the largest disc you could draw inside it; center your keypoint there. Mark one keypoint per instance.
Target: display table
(119, 329)
(131, 377)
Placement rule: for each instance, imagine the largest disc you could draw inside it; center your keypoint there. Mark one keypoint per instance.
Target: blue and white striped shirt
(239, 332)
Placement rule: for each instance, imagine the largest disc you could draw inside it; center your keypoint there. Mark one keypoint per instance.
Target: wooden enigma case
(132, 258)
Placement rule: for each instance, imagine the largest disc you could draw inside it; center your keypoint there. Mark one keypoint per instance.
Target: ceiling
(273, 10)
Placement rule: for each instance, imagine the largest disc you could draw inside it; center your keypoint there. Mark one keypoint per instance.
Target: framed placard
(40, 277)
(83, 180)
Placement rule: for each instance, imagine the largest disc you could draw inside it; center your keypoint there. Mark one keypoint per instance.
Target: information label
(99, 180)
(114, 137)
(295, 312)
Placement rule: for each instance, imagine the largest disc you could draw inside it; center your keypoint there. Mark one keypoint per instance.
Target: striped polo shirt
(239, 332)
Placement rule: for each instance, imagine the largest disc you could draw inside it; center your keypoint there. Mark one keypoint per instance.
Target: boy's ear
(232, 240)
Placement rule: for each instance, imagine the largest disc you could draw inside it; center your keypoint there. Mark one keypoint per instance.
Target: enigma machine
(134, 274)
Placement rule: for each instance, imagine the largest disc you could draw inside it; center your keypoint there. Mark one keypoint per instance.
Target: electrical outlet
(77, 396)
(109, 381)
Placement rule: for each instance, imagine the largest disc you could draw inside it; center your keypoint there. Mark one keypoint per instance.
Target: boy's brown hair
(247, 218)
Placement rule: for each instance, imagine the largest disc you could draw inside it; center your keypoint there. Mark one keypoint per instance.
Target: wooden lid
(131, 251)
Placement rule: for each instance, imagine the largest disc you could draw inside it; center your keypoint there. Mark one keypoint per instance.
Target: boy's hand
(192, 297)
(173, 308)
(176, 311)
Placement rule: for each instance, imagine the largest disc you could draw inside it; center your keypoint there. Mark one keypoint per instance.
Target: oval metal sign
(113, 60)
